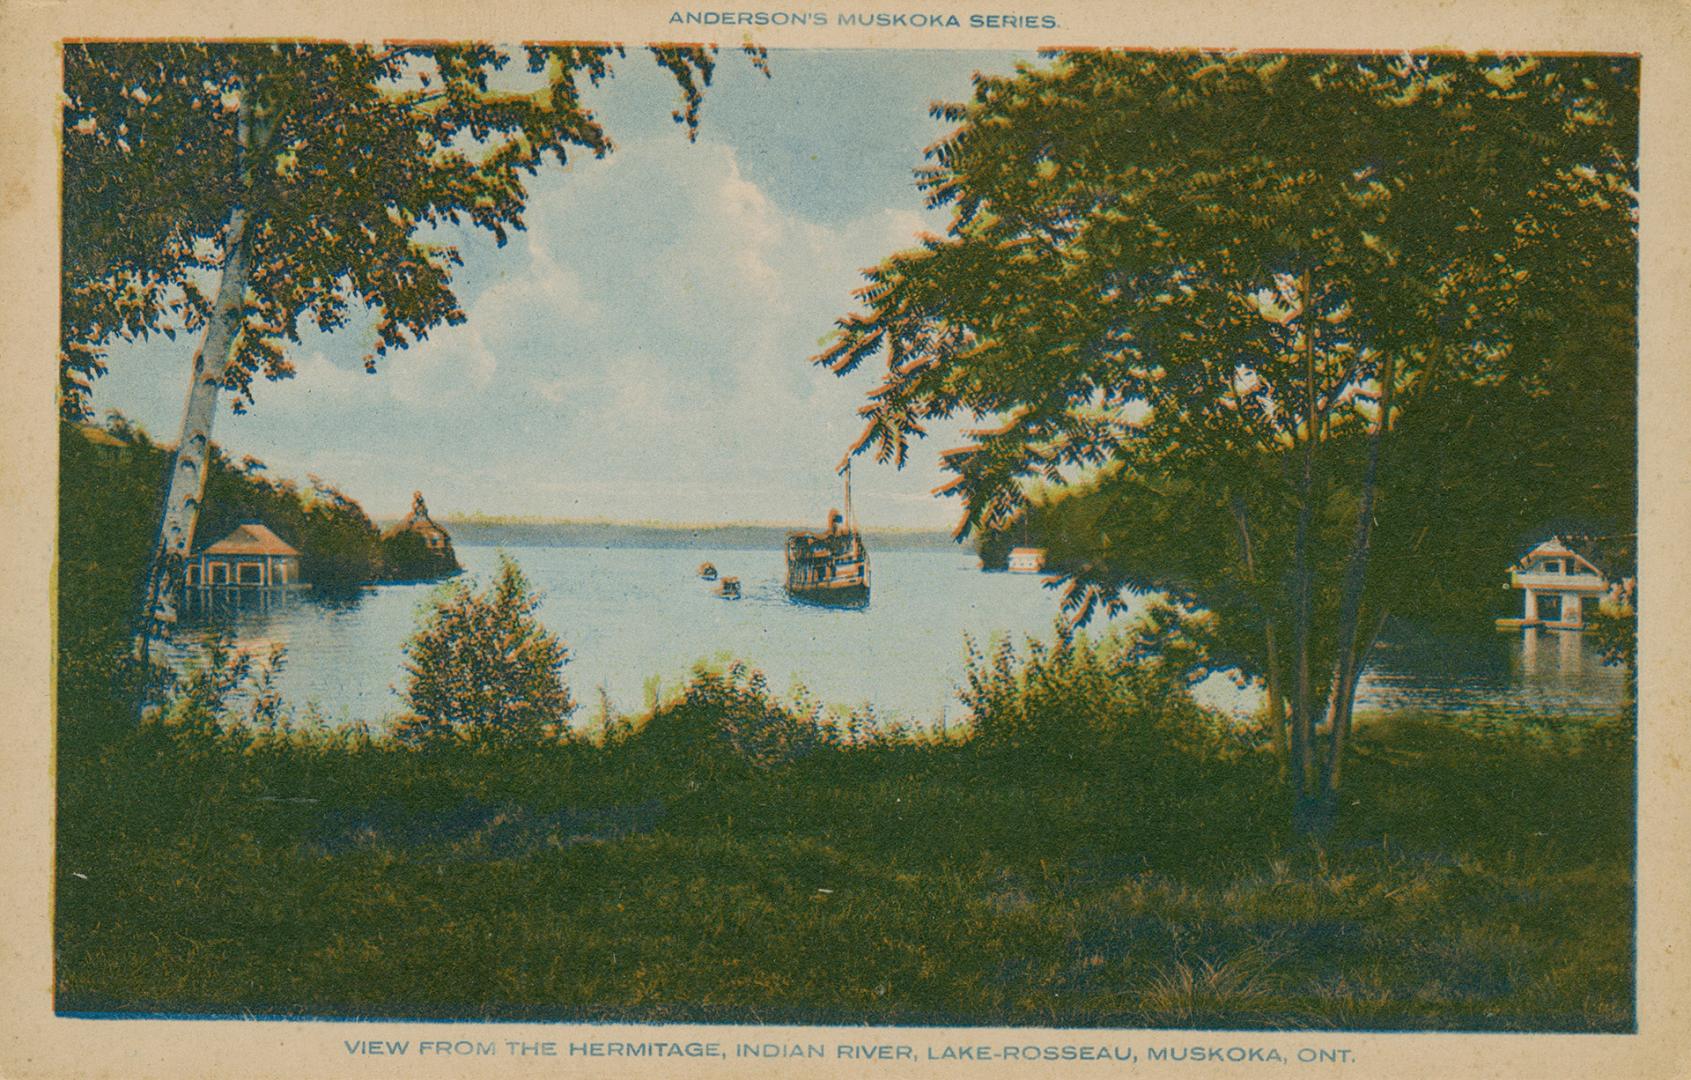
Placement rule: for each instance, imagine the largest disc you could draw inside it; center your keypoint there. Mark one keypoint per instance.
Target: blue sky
(640, 352)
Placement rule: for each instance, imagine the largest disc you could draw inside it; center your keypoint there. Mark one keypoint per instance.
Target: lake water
(631, 614)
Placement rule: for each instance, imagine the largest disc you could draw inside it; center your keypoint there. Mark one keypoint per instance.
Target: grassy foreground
(714, 862)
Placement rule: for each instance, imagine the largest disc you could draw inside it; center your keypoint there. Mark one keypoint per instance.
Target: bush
(228, 689)
(1125, 695)
(725, 720)
(481, 666)
(749, 721)
(1616, 630)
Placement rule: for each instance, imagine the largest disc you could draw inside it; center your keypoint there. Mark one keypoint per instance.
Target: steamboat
(830, 567)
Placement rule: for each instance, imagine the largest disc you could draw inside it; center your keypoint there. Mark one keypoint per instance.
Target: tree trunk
(189, 463)
(192, 458)
(1276, 698)
(1276, 693)
(1356, 670)
(1347, 662)
(1303, 735)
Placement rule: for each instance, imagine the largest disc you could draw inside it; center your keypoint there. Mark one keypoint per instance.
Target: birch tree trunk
(185, 485)
(193, 450)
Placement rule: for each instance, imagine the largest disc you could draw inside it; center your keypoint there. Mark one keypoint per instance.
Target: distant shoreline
(527, 532)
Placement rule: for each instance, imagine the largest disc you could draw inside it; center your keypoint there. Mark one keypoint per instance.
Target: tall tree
(1235, 277)
(303, 179)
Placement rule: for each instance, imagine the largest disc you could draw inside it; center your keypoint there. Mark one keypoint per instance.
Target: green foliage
(406, 556)
(1124, 696)
(107, 507)
(347, 158)
(110, 481)
(1616, 630)
(1119, 534)
(726, 718)
(1125, 226)
(1495, 470)
(339, 546)
(1617, 636)
(481, 666)
(746, 720)
(1485, 883)
(109, 494)
(1318, 338)
(227, 690)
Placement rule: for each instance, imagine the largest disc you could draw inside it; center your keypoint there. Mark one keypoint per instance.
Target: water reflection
(1532, 670)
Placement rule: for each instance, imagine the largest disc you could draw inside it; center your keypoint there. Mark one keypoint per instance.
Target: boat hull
(849, 595)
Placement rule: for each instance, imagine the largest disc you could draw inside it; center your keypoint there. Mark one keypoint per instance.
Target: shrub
(481, 666)
(1125, 694)
(1616, 631)
(229, 698)
(726, 717)
(748, 720)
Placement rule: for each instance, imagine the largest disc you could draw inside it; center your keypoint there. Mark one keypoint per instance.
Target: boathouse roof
(251, 538)
(1606, 555)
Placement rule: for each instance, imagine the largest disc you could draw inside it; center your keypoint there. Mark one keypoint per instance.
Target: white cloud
(641, 351)
(675, 357)
(320, 379)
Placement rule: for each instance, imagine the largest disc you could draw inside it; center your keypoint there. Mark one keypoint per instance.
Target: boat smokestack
(848, 516)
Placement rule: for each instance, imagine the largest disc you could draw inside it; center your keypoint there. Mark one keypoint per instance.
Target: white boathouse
(1561, 587)
(251, 557)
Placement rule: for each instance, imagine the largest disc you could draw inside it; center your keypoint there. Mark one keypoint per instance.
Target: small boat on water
(729, 589)
(707, 571)
(830, 567)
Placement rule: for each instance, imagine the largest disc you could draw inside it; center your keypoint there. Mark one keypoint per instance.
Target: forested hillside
(110, 481)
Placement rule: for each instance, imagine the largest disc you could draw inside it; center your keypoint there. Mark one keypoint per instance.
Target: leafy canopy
(1120, 278)
(1182, 270)
(360, 152)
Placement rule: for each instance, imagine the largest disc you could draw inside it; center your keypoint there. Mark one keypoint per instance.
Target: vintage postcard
(845, 540)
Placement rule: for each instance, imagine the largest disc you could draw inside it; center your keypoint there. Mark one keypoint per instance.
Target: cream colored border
(35, 1043)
